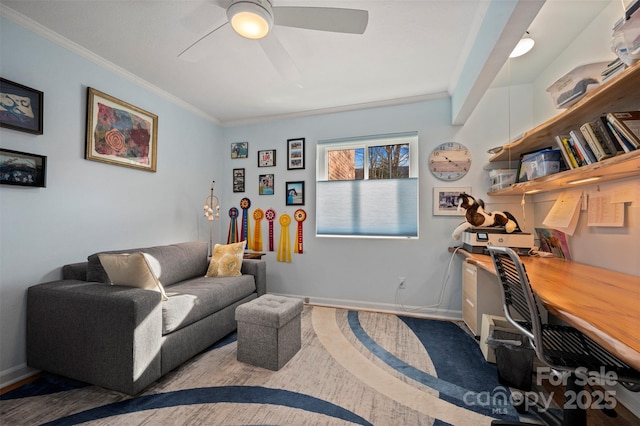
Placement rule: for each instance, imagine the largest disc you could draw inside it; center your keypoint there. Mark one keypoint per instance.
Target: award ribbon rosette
(299, 215)
(284, 246)
(258, 214)
(270, 215)
(245, 232)
(232, 236)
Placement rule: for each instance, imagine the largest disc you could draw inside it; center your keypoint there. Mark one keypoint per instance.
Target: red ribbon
(270, 215)
(299, 215)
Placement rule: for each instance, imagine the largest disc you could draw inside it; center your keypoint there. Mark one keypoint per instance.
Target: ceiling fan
(254, 19)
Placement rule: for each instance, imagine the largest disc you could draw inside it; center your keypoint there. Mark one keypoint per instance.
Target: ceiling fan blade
(351, 21)
(280, 58)
(201, 48)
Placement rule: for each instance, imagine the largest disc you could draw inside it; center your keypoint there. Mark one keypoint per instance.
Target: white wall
(89, 206)
(612, 248)
(592, 45)
(609, 248)
(364, 272)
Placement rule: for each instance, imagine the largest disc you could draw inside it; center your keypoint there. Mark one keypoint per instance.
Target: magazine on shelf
(554, 241)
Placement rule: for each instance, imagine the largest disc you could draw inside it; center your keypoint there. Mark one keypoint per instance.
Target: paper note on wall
(564, 214)
(603, 212)
(626, 193)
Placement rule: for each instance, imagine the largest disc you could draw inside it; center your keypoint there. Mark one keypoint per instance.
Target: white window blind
(378, 199)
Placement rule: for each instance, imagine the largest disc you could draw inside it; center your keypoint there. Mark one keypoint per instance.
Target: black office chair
(564, 349)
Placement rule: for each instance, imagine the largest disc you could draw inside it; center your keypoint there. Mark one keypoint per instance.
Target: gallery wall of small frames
(241, 217)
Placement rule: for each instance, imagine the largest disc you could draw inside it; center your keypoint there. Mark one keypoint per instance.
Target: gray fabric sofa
(125, 338)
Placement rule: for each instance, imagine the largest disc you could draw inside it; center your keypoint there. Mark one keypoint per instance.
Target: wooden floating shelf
(614, 168)
(620, 93)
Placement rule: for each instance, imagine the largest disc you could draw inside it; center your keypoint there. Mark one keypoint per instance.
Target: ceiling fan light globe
(250, 19)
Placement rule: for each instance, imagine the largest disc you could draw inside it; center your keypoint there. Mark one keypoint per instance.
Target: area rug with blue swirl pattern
(353, 368)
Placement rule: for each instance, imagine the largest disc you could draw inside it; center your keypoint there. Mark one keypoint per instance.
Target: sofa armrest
(75, 271)
(106, 335)
(257, 268)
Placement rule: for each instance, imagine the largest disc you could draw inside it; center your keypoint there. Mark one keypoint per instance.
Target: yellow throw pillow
(133, 270)
(226, 260)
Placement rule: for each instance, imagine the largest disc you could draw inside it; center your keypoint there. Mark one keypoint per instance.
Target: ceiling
(411, 50)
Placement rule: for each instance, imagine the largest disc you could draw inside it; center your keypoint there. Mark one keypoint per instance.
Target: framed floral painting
(120, 133)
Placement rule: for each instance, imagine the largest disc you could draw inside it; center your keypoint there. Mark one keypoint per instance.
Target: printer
(476, 240)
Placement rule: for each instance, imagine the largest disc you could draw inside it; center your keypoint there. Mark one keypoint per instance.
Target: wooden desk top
(603, 304)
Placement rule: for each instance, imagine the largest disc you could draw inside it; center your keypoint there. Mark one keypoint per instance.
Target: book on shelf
(583, 146)
(624, 142)
(600, 151)
(577, 154)
(563, 144)
(606, 137)
(628, 124)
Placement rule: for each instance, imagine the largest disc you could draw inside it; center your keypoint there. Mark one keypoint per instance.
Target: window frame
(322, 157)
(323, 148)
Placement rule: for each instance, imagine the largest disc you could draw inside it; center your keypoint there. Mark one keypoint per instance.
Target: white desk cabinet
(481, 294)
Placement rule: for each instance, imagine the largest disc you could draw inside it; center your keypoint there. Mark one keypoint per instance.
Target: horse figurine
(476, 216)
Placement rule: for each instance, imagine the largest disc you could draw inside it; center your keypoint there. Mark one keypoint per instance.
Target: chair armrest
(106, 335)
(257, 268)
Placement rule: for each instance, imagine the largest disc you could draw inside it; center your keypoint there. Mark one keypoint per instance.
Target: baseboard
(387, 308)
(14, 374)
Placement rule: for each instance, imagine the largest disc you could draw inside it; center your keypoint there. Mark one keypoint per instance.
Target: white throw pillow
(133, 270)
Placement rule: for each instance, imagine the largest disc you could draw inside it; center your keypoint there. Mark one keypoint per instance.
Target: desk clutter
(254, 240)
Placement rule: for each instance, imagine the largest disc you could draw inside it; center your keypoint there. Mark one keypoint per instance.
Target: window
(368, 187)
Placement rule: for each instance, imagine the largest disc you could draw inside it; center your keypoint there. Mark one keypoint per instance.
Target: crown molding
(56, 38)
(344, 108)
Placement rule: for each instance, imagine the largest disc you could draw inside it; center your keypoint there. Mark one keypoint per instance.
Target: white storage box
(625, 40)
(542, 163)
(501, 178)
(571, 87)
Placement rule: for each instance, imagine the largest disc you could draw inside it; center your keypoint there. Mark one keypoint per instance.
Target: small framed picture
(239, 150)
(444, 200)
(267, 158)
(21, 168)
(295, 154)
(238, 180)
(265, 185)
(20, 107)
(295, 193)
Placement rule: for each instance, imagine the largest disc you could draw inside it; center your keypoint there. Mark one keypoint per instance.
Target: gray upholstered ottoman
(269, 331)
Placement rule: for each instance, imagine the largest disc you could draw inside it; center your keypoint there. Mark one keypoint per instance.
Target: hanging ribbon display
(284, 246)
(258, 214)
(245, 232)
(232, 236)
(270, 215)
(299, 215)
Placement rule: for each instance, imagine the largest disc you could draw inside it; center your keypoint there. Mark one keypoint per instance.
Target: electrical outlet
(401, 283)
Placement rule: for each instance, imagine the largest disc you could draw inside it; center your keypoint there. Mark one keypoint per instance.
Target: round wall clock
(450, 161)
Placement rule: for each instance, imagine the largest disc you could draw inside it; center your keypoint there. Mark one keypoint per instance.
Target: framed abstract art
(120, 133)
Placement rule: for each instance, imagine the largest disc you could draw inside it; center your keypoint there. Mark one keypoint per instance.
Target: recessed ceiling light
(524, 45)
